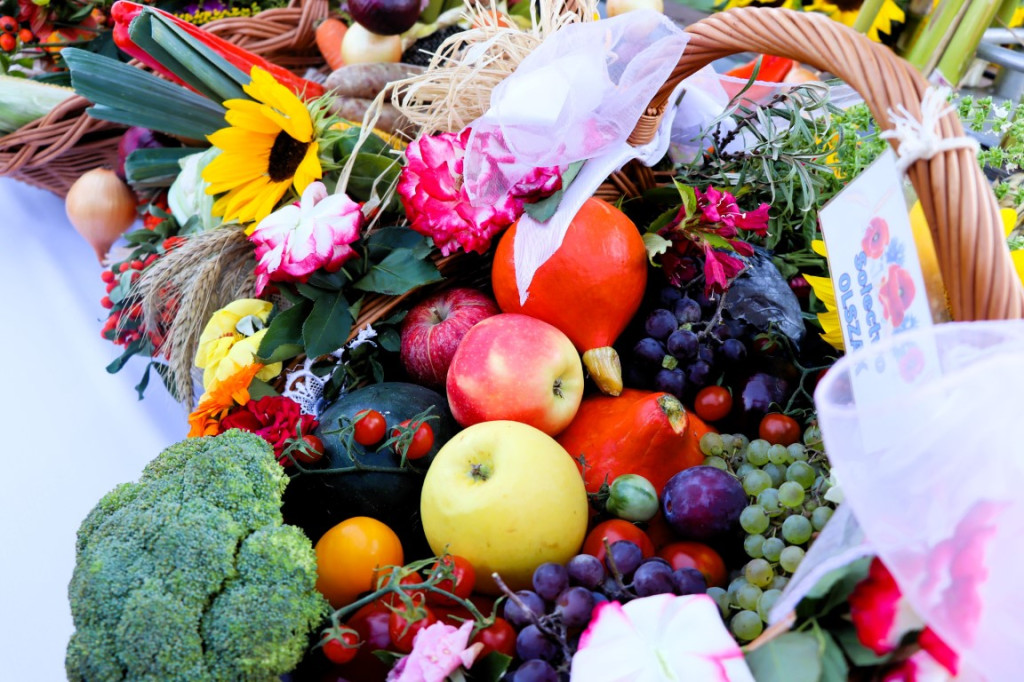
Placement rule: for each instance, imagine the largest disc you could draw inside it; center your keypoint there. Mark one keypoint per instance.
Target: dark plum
(670, 381)
(586, 570)
(687, 311)
(660, 323)
(682, 344)
(703, 502)
(689, 580)
(653, 577)
(648, 353)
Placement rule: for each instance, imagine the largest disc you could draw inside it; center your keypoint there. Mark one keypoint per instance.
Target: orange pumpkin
(590, 288)
(639, 432)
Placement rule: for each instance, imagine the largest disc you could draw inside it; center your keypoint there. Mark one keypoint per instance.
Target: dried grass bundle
(181, 290)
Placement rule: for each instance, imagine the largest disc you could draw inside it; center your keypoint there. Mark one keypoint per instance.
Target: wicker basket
(54, 151)
(957, 199)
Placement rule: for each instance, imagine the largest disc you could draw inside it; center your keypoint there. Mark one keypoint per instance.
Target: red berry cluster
(12, 34)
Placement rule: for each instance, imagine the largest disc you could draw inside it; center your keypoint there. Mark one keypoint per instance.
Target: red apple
(516, 368)
(433, 330)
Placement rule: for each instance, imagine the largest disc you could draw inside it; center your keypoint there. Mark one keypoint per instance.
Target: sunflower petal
(309, 169)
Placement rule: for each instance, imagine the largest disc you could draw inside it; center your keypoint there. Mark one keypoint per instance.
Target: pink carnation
(437, 204)
(437, 651)
(295, 241)
(880, 613)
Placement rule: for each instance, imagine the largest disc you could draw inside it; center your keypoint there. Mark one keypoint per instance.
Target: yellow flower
(224, 350)
(890, 13)
(1009, 222)
(215, 404)
(268, 145)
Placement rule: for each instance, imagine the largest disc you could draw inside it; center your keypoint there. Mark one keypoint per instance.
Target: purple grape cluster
(689, 344)
(550, 617)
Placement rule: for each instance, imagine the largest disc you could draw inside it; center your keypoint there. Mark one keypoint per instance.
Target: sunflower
(268, 145)
(846, 11)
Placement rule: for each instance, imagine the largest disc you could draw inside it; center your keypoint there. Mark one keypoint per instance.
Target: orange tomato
(615, 530)
(348, 556)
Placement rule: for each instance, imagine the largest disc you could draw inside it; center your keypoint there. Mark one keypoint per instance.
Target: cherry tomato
(421, 442)
(409, 581)
(500, 637)
(403, 630)
(696, 555)
(341, 647)
(464, 580)
(370, 427)
(713, 403)
(371, 624)
(779, 429)
(614, 530)
(348, 556)
(310, 452)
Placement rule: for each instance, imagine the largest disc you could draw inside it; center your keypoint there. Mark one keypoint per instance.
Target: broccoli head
(190, 574)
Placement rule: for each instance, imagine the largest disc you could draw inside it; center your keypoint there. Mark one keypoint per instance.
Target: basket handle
(958, 202)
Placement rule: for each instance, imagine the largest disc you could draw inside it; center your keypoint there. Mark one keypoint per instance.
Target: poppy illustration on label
(896, 293)
(876, 237)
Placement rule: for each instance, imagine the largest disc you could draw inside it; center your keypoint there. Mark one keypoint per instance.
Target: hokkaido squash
(590, 288)
(639, 432)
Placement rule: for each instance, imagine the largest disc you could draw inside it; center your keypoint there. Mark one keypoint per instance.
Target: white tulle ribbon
(920, 139)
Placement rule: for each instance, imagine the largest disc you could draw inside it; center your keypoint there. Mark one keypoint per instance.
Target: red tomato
(371, 624)
(403, 631)
(408, 580)
(713, 403)
(340, 648)
(370, 427)
(500, 637)
(696, 555)
(464, 580)
(614, 530)
(420, 444)
(779, 429)
(311, 451)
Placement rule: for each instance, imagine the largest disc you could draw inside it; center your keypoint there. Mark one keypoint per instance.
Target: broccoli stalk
(190, 574)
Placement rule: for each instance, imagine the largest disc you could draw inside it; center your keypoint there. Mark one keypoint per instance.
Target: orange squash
(590, 288)
(639, 432)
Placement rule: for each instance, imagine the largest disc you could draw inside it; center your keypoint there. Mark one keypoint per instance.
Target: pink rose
(295, 241)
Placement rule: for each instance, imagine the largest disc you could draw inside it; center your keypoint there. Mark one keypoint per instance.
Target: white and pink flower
(657, 638)
(438, 650)
(880, 614)
(295, 241)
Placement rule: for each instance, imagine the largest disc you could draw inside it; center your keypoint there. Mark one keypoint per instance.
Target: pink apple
(433, 330)
(517, 368)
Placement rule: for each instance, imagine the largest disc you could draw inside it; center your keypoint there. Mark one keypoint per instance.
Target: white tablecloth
(71, 432)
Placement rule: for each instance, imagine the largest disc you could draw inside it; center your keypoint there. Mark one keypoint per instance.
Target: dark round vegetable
(385, 17)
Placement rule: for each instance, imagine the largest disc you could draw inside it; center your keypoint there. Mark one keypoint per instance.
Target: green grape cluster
(787, 507)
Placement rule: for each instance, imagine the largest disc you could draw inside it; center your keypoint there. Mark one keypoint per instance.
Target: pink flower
(921, 667)
(721, 207)
(880, 613)
(437, 651)
(657, 638)
(294, 241)
(719, 269)
(437, 204)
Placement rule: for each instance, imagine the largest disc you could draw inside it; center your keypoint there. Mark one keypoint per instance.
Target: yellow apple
(617, 7)
(506, 497)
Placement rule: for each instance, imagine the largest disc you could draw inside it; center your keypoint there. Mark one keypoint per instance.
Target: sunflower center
(285, 157)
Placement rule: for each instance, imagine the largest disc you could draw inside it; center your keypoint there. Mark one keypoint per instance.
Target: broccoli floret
(190, 574)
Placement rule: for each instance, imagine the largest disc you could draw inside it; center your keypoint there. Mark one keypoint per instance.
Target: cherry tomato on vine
(340, 648)
(310, 452)
(615, 530)
(421, 442)
(408, 581)
(500, 637)
(713, 403)
(370, 427)
(463, 584)
(403, 631)
(779, 429)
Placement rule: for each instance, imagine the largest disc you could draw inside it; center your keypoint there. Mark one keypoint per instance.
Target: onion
(361, 46)
(385, 17)
(134, 138)
(101, 207)
(617, 7)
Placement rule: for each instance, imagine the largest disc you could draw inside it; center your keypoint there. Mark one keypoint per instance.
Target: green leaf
(717, 241)
(860, 655)
(688, 196)
(792, 657)
(311, 292)
(833, 589)
(656, 245)
(664, 219)
(131, 349)
(165, 376)
(384, 240)
(491, 667)
(328, 325)
(140, 387)
(833, 664)
(398, 273)
(542, 210)
(261, 389)
(155, 167)
(283, 339)
(389, 339)
(330, 281)
(115, 89)
(371, 170)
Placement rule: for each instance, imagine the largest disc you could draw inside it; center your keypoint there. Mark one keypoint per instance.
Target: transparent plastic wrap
(920, 429)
